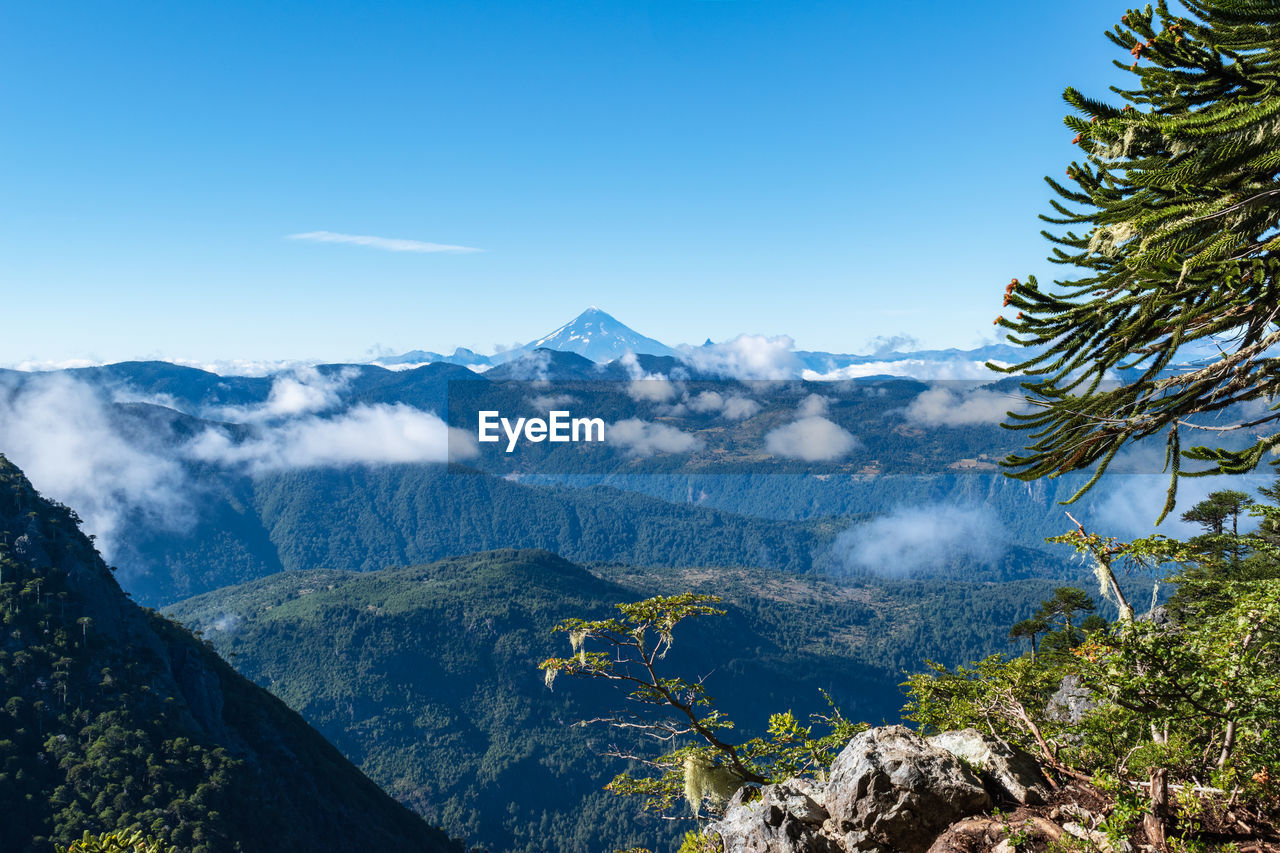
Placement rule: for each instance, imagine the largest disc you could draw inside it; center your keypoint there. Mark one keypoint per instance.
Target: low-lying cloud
(547, 402)
(912, 539)
(948, 407)
(363, 435)
(1127, 505)
(227, 623)
(303, 391)
(530, 367)
(641, 438)
(914, 368)
(746, 357)
(60, 432)
(733, 407)
(652, 390)
(813, 439)
(813, 406)
(891, 344)
(78, 447)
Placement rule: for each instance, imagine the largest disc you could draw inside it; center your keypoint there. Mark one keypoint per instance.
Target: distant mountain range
(600, 337)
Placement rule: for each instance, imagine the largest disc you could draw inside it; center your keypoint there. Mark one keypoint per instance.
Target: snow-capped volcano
(601, 338)
(596, 335)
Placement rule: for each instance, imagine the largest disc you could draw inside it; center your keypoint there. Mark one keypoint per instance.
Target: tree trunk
(1153, 821)
(1229, 737)
(1228, 743)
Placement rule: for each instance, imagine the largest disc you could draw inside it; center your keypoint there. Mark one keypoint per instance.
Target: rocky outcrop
(1013, 774)
(784, 818)
(1070, 702)
(202, 689)
(889, 791)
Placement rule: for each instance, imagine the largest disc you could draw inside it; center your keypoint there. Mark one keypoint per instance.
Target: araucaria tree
(1170, 223)
(1170, 216)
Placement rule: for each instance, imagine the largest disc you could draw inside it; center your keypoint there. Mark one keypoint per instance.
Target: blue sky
(834, 171)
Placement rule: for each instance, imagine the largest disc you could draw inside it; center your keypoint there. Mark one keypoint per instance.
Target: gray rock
(891, 790)
(1010, 770)
(1081, 815)
(804, 799)
(1158, 615)
(1071, 702)
(786, 818)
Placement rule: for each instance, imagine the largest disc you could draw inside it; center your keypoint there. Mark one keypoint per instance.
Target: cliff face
(113, 717)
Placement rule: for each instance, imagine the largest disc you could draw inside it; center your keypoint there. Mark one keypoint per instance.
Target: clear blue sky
(829, 170)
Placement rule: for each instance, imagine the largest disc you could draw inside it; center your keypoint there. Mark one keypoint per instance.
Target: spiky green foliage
(116, 842)
(1169, 218)
(1187, 699)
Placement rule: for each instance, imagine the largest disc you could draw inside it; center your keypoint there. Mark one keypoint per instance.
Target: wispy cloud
(945, 407)
(305, 391)
(813, 439)
(377, 434)
(641, 438)
(388, 244)
(915, 538)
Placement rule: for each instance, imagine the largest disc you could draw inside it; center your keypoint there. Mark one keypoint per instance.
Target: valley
(314, 527)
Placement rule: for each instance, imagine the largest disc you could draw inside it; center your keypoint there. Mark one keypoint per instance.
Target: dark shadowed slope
(113, 717)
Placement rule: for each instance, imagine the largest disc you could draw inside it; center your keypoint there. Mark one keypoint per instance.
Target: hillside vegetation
(426, 676)
(116, 718)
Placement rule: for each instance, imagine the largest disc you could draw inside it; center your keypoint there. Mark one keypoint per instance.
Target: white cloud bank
(73, 445)
(747, 357)
(60, 433)
(947, 407)
(811, 439)
(911, 368)
(642, 438)
(387, 244)
(363, 435)
(223, 367)
(911, 539)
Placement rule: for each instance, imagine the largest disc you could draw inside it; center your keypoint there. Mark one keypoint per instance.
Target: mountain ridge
(427, 674)
(600, 337)
(118, 719)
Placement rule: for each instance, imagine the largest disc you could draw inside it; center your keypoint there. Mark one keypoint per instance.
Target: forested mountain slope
(115, 717)
(371, 518)
(396, 515)
(427, 676)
